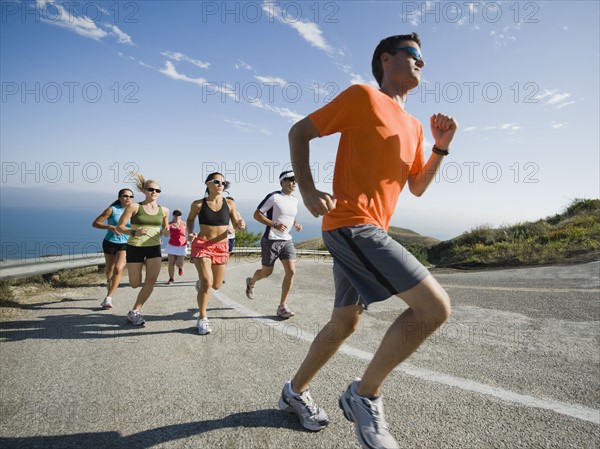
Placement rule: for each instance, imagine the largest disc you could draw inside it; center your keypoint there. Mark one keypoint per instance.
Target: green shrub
(6, 292)
(573, 234)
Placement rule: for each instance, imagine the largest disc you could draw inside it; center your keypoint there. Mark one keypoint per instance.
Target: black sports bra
(207, 216)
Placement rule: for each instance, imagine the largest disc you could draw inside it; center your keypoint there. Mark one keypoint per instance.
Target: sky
(175, 90)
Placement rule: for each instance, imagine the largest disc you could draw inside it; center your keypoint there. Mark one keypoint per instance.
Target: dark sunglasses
(290, 179)
(217, 182)
(152, 189)
(410, 50)
(126, 196)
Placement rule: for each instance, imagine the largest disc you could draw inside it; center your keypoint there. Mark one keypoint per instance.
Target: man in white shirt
(278, 213)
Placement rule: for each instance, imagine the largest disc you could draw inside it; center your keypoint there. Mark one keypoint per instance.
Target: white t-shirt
(280, 208)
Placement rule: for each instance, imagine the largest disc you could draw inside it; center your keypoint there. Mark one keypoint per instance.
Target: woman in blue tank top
(114, 243)
(210, 250)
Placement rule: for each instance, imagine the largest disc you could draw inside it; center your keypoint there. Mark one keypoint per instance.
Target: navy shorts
(109, 247)
(138, 254)
(271, 250)
(370, 266)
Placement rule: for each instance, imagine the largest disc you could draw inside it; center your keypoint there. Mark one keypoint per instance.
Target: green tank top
(152, 224)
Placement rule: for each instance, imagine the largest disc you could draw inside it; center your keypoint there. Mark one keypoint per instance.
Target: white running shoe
(310, 415)
(249, 289)
(370, 426)
(204, 326)
(107, 303)
(135, 318)
(284, 311)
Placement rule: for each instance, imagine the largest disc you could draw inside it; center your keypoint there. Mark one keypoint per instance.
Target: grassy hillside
(572, 236)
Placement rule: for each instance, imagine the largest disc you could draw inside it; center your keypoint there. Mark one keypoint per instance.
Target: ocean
(29, 234)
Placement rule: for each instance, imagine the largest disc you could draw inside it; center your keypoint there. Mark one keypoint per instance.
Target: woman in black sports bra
(210, 249)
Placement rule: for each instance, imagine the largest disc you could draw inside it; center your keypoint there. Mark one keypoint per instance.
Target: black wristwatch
(133, 233)
(439, 151)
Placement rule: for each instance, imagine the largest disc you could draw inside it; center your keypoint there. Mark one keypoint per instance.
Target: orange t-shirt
(380, 146)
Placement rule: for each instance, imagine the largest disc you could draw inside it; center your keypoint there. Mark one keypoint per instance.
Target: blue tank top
(207, 216)
(113, 220)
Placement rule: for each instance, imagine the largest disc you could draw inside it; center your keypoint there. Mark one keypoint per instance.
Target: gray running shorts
(370, 266)
(271, 250)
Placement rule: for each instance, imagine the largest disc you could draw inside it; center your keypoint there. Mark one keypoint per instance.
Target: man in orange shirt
(380, 150)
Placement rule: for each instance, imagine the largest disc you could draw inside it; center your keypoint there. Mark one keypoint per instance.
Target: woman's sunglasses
(126, 196)
(217, 182)
(152, 189)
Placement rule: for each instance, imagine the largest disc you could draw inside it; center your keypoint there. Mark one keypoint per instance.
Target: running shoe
(204, 326)
(370, 427)
(135, 318)
(170, 281)
(284, 311)
(181, 272)
(249, 289)
(107, 303)
(310, 415)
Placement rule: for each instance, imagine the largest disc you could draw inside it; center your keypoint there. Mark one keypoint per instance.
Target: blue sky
(92, 90)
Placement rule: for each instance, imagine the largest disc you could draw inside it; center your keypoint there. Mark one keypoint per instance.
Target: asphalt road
(516, 366)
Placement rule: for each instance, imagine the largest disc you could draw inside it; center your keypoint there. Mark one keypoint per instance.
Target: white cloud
(224, 89)
(178, 57)
(558, 98)
(170, 71)
(122, 37)
(555, 98)
(284, 112)
(247, 127)
(83, 26)
(309, 31)
(243, 65)
(501, 39)
(556, 125)
(469, 129)
(143, 64)
(503, 127)
(355, 78)
(271, 80)
(560, 106)
(53, 13)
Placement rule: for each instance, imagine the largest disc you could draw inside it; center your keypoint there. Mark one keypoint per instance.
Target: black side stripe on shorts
(365, 261)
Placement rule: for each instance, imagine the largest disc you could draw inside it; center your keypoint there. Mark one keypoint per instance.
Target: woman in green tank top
(149, 221)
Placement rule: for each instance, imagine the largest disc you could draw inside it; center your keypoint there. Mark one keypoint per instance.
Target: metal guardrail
(18, 269)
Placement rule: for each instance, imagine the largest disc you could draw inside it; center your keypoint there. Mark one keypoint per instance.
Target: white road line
(564, 408)
(523, 289)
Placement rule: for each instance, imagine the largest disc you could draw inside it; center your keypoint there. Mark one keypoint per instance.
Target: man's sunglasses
(217, 182)
(290, 179)
(152, 189)
(416, 54)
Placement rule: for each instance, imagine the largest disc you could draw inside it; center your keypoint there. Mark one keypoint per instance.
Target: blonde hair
(141, 183)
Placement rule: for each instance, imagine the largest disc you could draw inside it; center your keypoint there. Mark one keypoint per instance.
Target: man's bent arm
(443, 128)
(299, 137)
(419, 182)
(318, 203)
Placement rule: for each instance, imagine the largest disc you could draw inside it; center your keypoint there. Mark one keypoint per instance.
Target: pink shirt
(177, 234)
